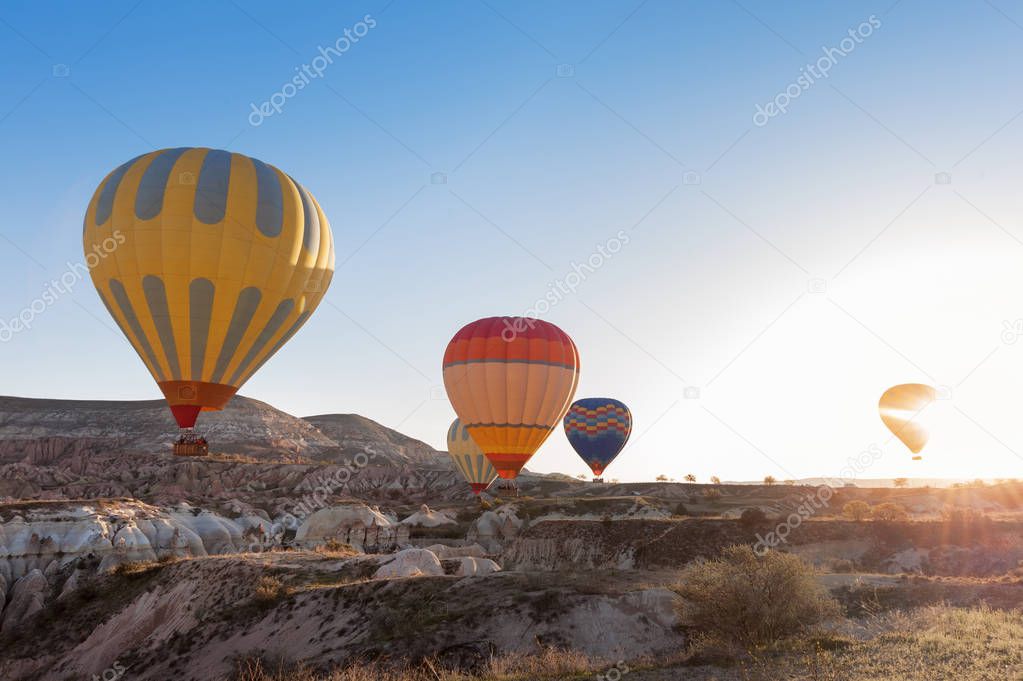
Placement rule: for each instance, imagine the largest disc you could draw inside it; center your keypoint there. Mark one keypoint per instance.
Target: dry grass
(552, 664)
(978, 644)
(335, 549)
(256, 671)
(268, 590)
(138, 568)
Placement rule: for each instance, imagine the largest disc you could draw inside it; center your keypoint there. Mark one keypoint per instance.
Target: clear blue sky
(800, 268)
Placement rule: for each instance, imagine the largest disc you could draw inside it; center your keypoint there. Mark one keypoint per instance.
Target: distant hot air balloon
(209, 262)
(598, 428)
(510, 380)
(899, 407)
(469, 458)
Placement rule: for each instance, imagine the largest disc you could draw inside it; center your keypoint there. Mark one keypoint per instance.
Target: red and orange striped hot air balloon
(510, 380)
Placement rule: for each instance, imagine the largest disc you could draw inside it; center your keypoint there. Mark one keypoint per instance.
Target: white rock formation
(443, 551)
(492, 529)
(356, 524)
(425, 517)
(46, 538)
(475, 567)
(70, 584)
(27, 596)
(411, 563)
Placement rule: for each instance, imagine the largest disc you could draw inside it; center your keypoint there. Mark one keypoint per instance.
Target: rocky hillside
(44, 430)
(48, 548)
(222, 483)
(190, 619)
(180, 592)
(261, 457)
(354, 434)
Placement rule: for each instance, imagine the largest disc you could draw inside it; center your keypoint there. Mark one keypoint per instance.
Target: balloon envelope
(598, 428)
(899, 407)
(209, 262)
(510, 380)
(469, 459)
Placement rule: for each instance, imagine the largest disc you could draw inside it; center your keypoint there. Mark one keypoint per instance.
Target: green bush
(856, 510)
(889, 511)
(752, 600)
(842, 566)
(752, 518)
(963, 515)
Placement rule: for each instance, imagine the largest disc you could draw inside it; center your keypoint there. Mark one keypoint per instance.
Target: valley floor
(927, 644)
(586, 591)
(933, 643)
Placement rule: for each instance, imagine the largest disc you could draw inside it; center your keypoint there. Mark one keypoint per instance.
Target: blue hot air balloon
(598, 428)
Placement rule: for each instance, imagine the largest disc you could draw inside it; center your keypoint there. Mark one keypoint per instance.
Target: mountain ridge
(247, 427)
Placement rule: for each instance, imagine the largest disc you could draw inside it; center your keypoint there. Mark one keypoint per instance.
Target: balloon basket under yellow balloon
(190, 443)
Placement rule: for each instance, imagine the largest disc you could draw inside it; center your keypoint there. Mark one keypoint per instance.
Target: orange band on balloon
(508, 465)
(188, 398)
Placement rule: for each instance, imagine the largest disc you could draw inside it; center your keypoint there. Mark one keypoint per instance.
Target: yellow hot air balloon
(900, 405)
(208, 261)
(469, 458)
